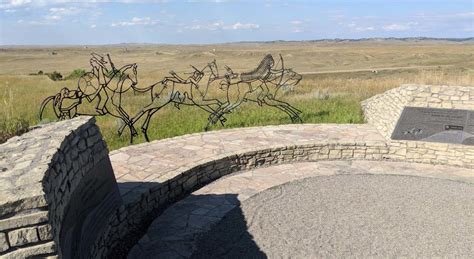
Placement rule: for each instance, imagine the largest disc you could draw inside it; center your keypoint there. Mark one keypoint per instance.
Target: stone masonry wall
(39, 171)
(146, 202)
(384, 110)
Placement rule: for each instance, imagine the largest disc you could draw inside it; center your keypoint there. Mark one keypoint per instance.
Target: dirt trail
(371, 69)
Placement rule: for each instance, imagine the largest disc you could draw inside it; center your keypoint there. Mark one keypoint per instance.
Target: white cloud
(64, 11)
(24, 3)
(136, 21)
(93, 26)
(296, 22)
(18, 2)
(398, 27)
(219, 25)
(53, 17)
(10, 11)
(206, 26)
(464, 15)
(242, 26)
(369, 28)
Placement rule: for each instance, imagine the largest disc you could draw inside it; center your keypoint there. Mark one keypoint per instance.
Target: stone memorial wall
(384, 110)
(54, 181)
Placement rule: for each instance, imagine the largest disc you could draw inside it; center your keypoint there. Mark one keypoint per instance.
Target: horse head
(134, 76)
(290, 77)
(129, 72)
(214, 69)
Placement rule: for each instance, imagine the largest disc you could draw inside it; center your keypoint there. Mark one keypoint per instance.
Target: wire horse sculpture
(105, 85)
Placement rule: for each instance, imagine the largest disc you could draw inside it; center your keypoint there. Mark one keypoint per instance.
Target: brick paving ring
(322, 209)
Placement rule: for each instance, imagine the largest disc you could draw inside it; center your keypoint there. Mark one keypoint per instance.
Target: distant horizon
(420, 38)
(104, 22)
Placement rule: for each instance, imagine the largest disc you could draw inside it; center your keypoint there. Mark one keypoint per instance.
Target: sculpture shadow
(226, 237)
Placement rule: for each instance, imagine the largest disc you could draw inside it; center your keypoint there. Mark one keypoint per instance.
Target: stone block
(347, 153)
(23, 236)
(23, 220)
(45, 232)
(82, 145)
(31, 251)
(335, 154)
(3, 242)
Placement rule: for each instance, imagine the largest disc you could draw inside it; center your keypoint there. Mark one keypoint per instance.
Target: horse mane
(262, 69)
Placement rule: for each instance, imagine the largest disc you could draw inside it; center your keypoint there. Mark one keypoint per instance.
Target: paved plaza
(322, 209)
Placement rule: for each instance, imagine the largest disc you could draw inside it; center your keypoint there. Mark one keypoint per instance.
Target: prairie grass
(323, 97)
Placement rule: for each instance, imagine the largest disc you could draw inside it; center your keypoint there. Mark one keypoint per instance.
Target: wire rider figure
(104, 76)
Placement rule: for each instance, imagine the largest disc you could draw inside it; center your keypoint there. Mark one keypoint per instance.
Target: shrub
(55, 76)
(36, 74)
(12, 127)
(77, 73)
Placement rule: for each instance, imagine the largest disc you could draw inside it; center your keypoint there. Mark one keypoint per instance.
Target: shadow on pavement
(220, 232)
(228, 238)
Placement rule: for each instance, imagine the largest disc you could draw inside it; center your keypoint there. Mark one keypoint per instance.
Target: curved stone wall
(383, 111)
(149, 198)
(40, 170)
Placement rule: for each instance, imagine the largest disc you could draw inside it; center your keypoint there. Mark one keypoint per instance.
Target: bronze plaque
(436, 125)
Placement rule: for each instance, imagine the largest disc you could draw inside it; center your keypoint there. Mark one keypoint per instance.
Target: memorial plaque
(436, 125)
(92, 202)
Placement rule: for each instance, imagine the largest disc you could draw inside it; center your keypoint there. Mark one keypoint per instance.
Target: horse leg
(124, 114)
(292, 109)
(137, 116)
(150, 113)
(125, 118)
(229, 108)
(133, 120)
(146, 123)
(285, 107)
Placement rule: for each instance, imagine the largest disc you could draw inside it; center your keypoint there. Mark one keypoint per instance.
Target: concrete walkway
(322, 209)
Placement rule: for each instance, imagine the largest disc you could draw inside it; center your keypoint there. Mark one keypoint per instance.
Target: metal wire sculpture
(106, 85)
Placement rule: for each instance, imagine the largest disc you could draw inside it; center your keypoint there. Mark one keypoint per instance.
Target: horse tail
(44, 103)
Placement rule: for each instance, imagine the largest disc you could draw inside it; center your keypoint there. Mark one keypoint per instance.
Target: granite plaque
(436, 125)
(92, 202)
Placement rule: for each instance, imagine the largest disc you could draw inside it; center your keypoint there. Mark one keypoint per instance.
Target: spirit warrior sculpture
(105, 85)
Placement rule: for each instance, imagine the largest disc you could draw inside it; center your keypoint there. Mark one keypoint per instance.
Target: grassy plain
(336, 77)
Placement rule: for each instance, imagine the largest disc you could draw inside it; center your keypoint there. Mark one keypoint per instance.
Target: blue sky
(214, 21)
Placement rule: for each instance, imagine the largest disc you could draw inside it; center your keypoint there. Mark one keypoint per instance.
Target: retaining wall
(384, 110)
(40, 171)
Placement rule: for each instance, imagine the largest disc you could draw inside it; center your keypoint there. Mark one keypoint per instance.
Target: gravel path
(349, 216)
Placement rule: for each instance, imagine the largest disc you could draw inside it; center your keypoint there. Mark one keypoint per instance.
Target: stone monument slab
(436, 125)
